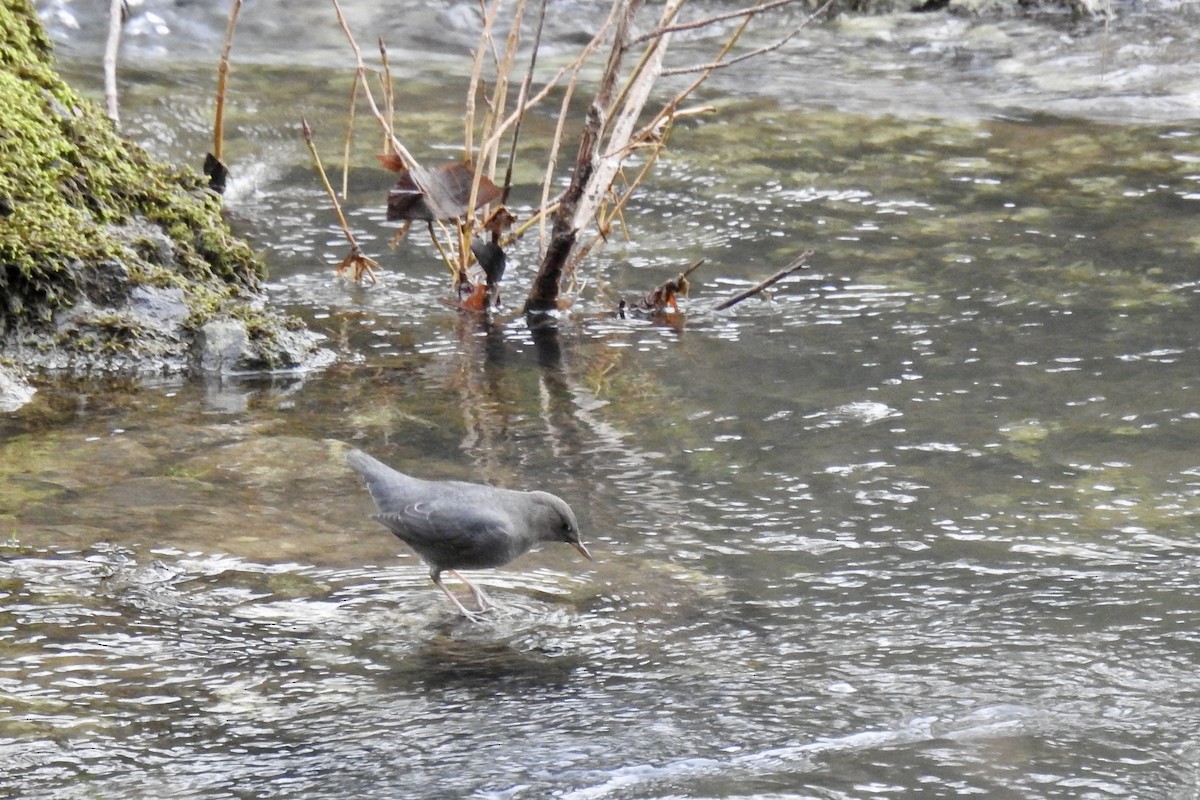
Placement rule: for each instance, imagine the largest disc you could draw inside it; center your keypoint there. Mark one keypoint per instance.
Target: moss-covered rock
(87, 216)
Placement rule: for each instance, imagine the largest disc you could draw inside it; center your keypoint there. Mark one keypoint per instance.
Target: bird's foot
(481, 599)
(474, 616)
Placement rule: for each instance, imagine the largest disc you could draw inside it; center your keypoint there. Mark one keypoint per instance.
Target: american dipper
(456, 525)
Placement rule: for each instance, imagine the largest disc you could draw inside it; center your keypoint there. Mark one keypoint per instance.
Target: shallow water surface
(921, 523)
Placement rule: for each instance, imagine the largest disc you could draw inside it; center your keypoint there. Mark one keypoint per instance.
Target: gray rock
(165, 309)
(219, 346)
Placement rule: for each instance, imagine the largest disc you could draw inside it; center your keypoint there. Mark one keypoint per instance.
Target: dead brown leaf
(440, 193)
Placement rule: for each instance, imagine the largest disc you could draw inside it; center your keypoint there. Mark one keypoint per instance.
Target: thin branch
(704, 23)
(415, 172)
(306, 131)
(485, 160)
(523, 103)
(654, 138)
(799, 263)
(654, 134)
(633, 100)
(657, 44)
(560, 125)
(587, 187)
(659, 127)
(500, 93)
(714, 65)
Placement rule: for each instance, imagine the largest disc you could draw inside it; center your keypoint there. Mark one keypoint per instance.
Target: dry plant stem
(488, 154)
(360, 263)
(657, 45)
(337, 207)
(654, 135)
(116, 20)
(498, 128)
(450, 262)
(415, 171)
(670, 111)
(522, 103)
(484, 161)
(348, 138)
(489, 16)
(572, 68)
(389, 93)
(537, 218)
(595, 170)
(223, 82)
(799, 263)
(492, 139)
(387, 87)
(361, 70)
(400, 150)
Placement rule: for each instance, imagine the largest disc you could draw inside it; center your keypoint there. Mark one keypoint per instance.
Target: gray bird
(455, 525)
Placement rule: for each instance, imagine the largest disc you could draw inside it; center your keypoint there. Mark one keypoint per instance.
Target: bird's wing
(475, 537)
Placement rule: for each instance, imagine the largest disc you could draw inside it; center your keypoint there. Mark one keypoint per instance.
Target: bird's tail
(364, 463)
(390, 489)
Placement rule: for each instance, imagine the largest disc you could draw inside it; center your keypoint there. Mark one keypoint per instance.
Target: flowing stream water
(921, 523)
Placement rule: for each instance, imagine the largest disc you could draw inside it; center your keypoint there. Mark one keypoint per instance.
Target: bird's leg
(471, 615)
(480, 597)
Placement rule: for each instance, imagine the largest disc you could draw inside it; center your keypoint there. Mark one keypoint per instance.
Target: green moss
(68, 179)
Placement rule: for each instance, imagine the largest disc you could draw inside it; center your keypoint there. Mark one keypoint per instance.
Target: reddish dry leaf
(443, 194)
(391, 161)
(473, 297)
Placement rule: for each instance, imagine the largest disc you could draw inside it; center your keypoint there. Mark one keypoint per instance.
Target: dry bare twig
(750, 11)
(595, 171)
(356, 262)
(795, 265)
(612, 120)
(761, 51)
(360, 75)
(116, 20)
(613, 131)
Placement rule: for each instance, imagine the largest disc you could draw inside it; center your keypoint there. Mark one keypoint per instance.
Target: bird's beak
(582, 550)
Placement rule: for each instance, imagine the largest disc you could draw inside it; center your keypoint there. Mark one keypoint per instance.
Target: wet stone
(219, 345)
(164, 308)
(14, 392)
